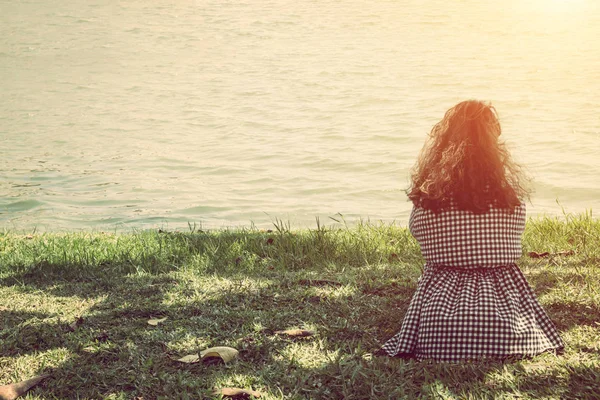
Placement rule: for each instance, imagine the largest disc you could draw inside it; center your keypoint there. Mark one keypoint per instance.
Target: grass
(351, 286)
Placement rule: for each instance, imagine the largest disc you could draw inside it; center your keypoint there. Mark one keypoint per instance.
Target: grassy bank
(76, 306)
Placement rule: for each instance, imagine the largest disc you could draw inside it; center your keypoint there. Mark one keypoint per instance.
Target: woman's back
(464, 239)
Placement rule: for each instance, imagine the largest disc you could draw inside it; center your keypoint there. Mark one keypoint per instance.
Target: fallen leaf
(73, 325)
(565, 253)
(225, 353)
(155, 322)
(295, 333)
(14, 390)
(237, 393)
(318, 282)
(191, 359)
(534, 254)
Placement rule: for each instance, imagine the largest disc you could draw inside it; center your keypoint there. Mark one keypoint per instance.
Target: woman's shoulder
(452, 211)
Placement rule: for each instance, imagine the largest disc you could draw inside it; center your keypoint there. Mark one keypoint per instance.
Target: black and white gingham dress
(472, 301)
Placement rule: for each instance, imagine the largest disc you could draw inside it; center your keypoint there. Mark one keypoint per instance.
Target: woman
(472, 301)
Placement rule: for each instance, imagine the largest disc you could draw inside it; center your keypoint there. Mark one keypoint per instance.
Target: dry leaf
(534, 254)
(237, 393)
(296, 333)
(191, 359)
(318, 282)
(155, 322)
(14, 390)
(73, 325)
(565, 253)
(225, 353)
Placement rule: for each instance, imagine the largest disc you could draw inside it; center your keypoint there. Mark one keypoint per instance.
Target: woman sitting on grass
(472, 301)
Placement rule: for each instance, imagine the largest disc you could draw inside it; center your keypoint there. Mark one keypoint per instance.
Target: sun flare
(562, 5)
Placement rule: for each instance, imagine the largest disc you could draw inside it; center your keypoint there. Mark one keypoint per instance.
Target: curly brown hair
(463, 164)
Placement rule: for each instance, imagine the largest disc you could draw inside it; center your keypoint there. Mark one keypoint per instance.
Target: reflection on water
(145, 114)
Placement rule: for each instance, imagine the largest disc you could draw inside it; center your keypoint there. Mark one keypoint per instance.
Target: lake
(155, 114)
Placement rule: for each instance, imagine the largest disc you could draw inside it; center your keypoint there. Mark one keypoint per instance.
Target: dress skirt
(464, 314)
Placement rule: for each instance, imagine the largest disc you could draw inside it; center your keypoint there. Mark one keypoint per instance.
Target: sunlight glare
(562, 5)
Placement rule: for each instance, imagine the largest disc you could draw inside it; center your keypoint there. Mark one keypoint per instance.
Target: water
(144, 114)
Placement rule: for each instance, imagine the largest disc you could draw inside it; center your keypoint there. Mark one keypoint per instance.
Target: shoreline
(336, 222)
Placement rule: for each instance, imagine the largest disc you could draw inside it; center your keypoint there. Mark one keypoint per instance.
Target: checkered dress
(472, 301)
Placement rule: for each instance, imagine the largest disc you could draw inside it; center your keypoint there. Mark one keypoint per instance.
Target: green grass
(351, 286)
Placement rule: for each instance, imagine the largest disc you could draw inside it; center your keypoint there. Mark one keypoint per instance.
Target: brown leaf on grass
(534, 254)
(224, 353)
(237, 393)
(295, 333)
(270, 241)
(14, 390)
(565, 253)
(318, 282)
(191, 359)
(73, 325)
(155, 322)
(220, 353)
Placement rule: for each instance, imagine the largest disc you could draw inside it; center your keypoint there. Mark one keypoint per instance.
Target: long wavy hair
(463, 164)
